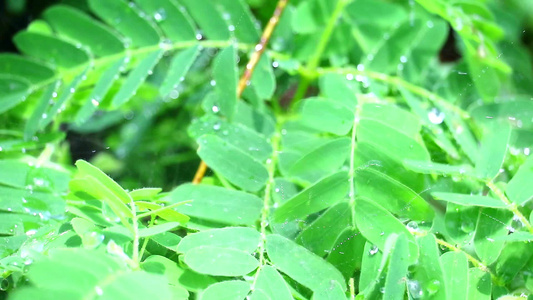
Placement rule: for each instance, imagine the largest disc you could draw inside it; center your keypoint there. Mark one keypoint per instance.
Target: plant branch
(315, 59)
(259, 49)
(351, 174)
(511, 206)
(271, 168)
(397, 81)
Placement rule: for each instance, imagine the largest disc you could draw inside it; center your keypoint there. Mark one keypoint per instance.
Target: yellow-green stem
(511, 206)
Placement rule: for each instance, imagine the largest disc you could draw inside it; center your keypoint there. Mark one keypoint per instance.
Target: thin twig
(250, 67)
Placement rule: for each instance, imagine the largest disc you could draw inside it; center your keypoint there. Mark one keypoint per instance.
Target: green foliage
(354, 164)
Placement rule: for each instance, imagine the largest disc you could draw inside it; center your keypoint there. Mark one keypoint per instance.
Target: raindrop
(526, 151)
(98, 290)
(54, 95)
(349, 76)
(412, 226)
(174, 94)
(414, 289)
(226, 16)
(160, 15)
(231, 28)
(216, 126)
(433, 287)
(403, 59)
(215, 109)
(435, 116)
(213, 82)
(360, 67)
(72, 90)
(258, 47)
(429, 24)
(45, 116)
(199, 36)
(370, 57)
(373, 250)
(94, 102)
(275, 64)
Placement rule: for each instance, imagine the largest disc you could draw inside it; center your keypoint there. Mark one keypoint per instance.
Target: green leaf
(240, 238)
(180, 65)
(217, 204)
(470, 200)
(479, 285)
(168, 214)
(226, 290)
(326, 115)
(519, 190)
(161, 265)
(492, 223)
(126, 20)
(493, 149)
(319, 237)
(329, 290)
(32, 125)
(167, 239)
(218, 154)
(339, 89)
(392, 116)
(136, 77)
(519, 236)
(50, 49)
(220, 261)
(144, 193)
(300, 264)
(225, 76)
(245, 27)
(64, 95)
(157, 229)
(263, 79)
(455, 269)
(391, 141)
(428, 272)
(23, 67)
(397, 197)
(237, 135)
(208, 18)
(512, 259)
(322, 161)
(370, 280)
(99, 91)
(437, 168)
(89, 170)
(98, 38)
(83, 274)
(376, 224)
(322, 194)
(398, 252)
(271, 284)
(176, 24)
(347, 253)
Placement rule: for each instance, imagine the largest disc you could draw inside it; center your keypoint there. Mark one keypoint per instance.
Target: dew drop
(433, 287)
(275, 64)
(413, 286)
(94, 102)
(215, 109)
(231, 28)
(373, 250)
(412, 226)
(160, 15)
(98, 290)
(435, 116)
(349, 76)
(213, 82)
(199, 36)
(174, 94)
(258, 47)
(360, 67)
(429, 24)
(403, 59)
(216, 126)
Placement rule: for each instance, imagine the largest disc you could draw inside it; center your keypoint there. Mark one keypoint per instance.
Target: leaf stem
(315, 59)
(259, 49)
(135, 221)
(511, 206)
(271, 168)
(146, 239)
(472, 259)
(351, 174)
(397, 81)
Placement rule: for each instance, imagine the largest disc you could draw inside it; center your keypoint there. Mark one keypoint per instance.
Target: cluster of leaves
(396, 175)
